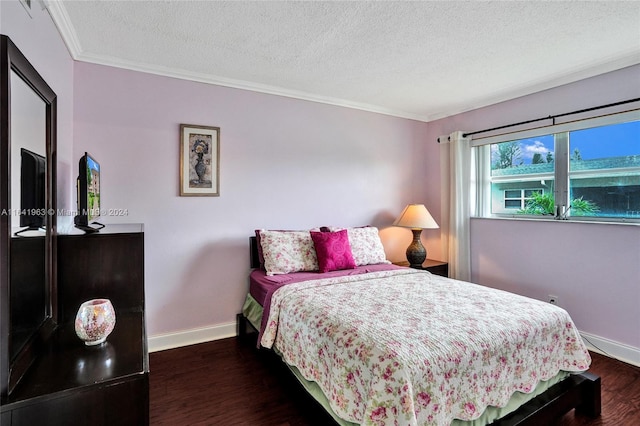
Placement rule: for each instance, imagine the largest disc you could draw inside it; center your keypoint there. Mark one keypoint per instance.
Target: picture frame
(27, 6)
(199, 161)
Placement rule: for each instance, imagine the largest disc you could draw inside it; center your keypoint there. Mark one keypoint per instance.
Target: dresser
(73, 384)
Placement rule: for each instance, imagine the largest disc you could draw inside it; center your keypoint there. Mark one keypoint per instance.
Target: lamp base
(416, 253)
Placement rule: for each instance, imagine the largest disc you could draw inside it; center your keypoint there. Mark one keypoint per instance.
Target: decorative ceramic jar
(95, 321)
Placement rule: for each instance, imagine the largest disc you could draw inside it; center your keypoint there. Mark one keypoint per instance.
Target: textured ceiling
(421, 60)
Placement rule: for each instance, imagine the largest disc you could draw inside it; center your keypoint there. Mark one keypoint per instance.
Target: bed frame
(579, 391)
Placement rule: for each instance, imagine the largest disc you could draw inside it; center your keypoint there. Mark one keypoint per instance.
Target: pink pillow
(366, 246)
(333, 250)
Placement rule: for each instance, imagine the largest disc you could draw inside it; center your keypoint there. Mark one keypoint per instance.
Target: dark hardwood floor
(229, 382)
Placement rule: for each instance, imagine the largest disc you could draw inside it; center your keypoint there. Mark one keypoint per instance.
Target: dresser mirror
(28, 306)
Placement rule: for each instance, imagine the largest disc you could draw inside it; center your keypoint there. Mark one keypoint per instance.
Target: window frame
(522, 198)
(561, 173)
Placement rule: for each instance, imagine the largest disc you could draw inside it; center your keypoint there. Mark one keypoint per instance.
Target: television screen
(32, 189)
(88, 187)
(93, 188)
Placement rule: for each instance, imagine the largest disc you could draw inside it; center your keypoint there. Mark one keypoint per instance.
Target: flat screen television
(33, 170)
(88, 193)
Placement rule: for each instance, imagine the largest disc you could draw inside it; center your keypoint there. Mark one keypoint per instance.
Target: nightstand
(436, 267)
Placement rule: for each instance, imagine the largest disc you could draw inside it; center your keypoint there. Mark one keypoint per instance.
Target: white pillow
(288, 251)
(366, 246)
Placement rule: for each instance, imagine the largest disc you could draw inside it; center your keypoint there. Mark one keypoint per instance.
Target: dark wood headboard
(253, 253)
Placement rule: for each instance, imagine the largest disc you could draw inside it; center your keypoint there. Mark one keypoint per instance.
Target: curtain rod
(551, 117)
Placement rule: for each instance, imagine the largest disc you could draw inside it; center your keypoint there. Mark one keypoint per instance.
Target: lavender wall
(285, 163)
(296, 164)
(594, 269)
(37, 38)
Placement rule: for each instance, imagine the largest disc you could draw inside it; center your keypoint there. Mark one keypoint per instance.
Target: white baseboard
(194, 336)
(617, 350)
(161, 342)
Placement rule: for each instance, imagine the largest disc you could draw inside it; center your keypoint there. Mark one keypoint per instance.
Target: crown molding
(579, 72)
(525, 89)
(66, 29)
(240, 84)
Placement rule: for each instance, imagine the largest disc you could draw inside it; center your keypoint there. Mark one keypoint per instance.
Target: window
(604, 171)
(520, 198)
(521, 171)
(588, 169)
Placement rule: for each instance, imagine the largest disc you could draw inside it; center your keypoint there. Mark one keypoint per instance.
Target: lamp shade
(416, 216)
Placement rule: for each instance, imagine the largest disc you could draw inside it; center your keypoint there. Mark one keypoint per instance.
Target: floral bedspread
(407, 347)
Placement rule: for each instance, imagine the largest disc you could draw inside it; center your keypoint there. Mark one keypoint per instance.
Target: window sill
(622, 222)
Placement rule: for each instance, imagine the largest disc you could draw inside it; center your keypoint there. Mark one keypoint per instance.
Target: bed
(380, 344)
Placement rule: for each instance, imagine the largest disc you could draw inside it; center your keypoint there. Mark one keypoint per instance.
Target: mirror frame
(11, 59)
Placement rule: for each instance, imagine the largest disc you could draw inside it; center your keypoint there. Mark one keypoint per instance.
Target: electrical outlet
(553, 299)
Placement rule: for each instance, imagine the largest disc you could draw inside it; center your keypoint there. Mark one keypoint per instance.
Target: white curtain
(460, 202)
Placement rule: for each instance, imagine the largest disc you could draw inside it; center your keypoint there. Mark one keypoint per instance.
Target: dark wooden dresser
(73, 384)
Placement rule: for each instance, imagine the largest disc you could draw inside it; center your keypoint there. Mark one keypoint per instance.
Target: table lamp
(416, 217)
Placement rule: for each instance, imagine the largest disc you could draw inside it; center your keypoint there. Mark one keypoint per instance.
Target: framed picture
(199, 161)
(27, 6)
